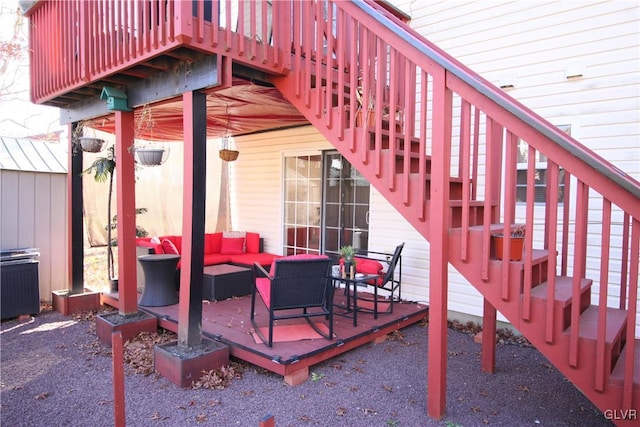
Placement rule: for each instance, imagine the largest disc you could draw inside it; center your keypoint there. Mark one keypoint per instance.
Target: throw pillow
(237, 235)
(169, 248)
(368, 266)
(232, 246)
(252, 242)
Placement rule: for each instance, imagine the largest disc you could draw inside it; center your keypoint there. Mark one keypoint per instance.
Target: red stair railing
(426, 103)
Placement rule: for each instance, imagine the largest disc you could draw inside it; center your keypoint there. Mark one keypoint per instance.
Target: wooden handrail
(503, 100)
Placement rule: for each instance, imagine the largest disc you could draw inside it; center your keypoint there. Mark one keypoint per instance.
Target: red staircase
(441, 145)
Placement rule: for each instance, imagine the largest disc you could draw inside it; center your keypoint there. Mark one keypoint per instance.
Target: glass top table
(351, 290)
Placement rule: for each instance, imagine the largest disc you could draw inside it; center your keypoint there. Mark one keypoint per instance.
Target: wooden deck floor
(228, 322)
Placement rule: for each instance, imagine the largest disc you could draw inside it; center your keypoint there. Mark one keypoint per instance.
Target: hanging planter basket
(150, 156)
(90, 144)
(229, 155)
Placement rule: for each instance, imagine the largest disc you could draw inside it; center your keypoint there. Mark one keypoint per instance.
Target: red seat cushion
(264, 259)
(263, 284)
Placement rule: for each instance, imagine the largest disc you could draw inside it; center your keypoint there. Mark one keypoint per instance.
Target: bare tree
(24, 118)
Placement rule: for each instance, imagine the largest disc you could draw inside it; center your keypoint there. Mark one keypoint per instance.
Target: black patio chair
(296, 287)
(389, 279)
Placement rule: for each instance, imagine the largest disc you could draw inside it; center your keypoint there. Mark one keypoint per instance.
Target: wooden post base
(130, 326)
(184, 365)
(297, 377)
(66, 303)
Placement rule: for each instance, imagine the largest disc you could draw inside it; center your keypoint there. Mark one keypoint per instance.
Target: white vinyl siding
(256, 179)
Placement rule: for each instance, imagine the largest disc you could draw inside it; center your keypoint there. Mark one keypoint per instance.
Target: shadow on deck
(228, 322)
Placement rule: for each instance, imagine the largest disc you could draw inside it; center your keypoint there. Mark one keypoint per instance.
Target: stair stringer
(582, 375)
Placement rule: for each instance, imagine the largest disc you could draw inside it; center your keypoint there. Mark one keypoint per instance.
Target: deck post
(126, 196)
(439, 248)
(489, 318)
(193, 218)
(75, 218)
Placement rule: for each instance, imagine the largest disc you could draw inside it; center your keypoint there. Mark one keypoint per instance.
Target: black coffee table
(224, 281)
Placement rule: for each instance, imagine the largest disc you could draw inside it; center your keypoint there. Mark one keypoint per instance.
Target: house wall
(33, 213)
(256, 194)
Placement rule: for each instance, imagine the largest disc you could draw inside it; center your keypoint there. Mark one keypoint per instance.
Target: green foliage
(140, 232)
(102, 168)
(316, 377)
(347, 252)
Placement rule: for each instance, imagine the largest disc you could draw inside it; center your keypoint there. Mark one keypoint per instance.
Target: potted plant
(365, 114)
(348, 260)
(517, 234)
(366, 111)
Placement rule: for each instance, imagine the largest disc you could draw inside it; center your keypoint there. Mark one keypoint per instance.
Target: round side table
(159, 275)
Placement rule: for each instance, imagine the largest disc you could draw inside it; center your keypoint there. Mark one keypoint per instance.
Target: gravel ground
(54, 372)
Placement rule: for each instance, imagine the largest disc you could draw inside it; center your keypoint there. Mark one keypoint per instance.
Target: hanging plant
(148, 153)
(227, 153)
(90, 144)
(85, 138)
(150, 156)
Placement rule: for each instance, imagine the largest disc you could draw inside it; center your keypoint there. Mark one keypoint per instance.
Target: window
(540, 174)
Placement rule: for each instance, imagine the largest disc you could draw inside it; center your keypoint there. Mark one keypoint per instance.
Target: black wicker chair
(296, 287)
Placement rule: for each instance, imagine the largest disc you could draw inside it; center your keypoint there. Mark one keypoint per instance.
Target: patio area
(228, 321)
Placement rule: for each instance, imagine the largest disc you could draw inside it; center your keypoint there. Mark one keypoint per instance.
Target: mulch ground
(54, 371)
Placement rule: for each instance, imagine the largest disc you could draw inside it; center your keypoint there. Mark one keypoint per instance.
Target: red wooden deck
(228, 322)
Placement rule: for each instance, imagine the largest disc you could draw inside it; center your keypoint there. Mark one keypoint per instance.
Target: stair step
(563, 291)
(563, 297)
(539, 256)
(616, 325)
(617, 376)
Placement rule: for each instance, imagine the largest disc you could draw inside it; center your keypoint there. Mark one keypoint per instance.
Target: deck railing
(75, 42)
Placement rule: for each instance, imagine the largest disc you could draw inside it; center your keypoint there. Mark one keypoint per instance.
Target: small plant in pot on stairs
(517, 234)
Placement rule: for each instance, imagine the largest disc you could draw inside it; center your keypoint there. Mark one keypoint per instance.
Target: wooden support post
(439, 248)
(126, 196)
(489, 320)
(118, 379)
(75, 217)
(193, 218)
